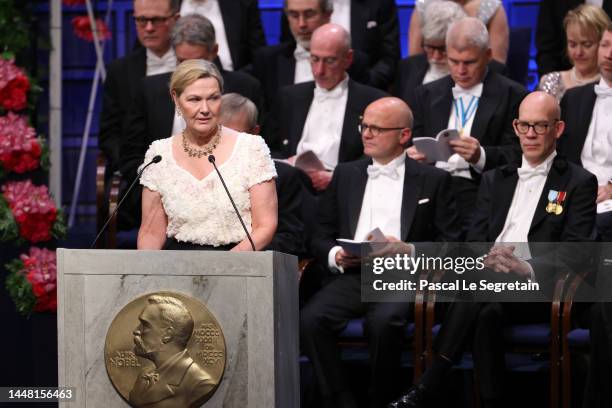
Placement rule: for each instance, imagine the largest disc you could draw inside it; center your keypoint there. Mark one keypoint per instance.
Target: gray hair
(194, 29)
(437, 17)
(174, 313)
(233, 103)
(467, 33)
(326, 6)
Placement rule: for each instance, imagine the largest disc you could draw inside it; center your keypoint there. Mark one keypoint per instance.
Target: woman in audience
(584, 27)
(491, 12)
(184, 205)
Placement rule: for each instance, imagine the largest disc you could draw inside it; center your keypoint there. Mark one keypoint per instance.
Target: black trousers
(482, 325)
(327, 314)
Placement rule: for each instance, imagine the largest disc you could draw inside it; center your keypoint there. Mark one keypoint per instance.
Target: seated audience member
(478, 102)
(550, 34)
(490, 12)
(240, 114)
(238, 27)
(424, 68)
(152, 114)
(289, 62)
(184, 204)
(584, 27)
(588, 132)
(520, 197)
(384, 190)
(154, 21)
(322, 116)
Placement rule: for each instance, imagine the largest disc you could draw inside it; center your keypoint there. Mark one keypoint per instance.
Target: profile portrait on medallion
(174, 359)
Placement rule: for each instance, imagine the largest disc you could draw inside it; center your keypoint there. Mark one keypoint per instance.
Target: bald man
(409, 202)
(322, 115)
(512, 208)
(476, 101)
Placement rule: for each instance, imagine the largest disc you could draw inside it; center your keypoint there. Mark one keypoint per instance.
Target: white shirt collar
(545, 165)
(335, 92)
(395, 163)
(160, 65)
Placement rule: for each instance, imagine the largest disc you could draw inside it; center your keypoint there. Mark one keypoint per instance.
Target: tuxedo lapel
(555, 181)
(302, 106)
(230, 14)
(285, 67)
(586, 105)
(164, 107)
(356, 192)
(441, 105)
(137, 67)
(502, 199)
(349, 129)
(413, 182)
(487, 105)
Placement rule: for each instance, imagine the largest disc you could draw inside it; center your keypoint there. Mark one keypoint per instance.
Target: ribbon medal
(555, 202)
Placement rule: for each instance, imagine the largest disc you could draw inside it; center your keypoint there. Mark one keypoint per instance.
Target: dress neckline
(219, 166)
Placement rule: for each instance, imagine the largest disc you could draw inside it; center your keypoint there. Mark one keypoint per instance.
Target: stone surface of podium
(253, 296)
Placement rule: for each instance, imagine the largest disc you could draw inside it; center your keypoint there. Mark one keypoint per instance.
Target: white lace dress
(199, 211)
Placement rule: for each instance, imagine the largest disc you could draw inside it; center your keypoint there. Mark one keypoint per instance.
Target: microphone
(211, 159)
(155, 159)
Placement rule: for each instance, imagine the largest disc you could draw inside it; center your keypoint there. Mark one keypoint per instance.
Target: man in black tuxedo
(288, 63)
(409, 202)
(514, 207)
(154, 21)
(586, 112)
(240, 114)
(550, 35)
(374, 30)
(322, 116)
(421, 69)
(476, 101)
(238, 27)
(152, 113)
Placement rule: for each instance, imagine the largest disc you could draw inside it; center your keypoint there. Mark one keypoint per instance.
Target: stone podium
(253, 296)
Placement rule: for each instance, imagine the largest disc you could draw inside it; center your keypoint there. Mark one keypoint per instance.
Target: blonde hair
(190, 71)
(589, 18)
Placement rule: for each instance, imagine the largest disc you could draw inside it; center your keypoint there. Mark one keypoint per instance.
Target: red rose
(13, 95)
(82, 28)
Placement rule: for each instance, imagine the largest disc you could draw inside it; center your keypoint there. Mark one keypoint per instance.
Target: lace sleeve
(551, 83)
(150, 177)
(260, 164)
(487, 9)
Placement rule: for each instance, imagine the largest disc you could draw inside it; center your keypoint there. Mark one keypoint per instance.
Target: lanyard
(466, 114)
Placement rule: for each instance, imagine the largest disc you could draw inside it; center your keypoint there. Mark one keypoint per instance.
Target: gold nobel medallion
(165, 349)
(558, 209)
(550, 208)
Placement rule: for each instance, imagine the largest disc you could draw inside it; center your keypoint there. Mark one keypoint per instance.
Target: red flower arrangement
(82, 29)
(71, 3)
(32, 281)
(33, 211)
(14, 86)
(20, 150)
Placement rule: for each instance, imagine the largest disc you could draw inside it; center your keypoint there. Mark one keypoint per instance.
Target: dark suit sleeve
(582, 210)
(272, 124)
(446, 220)
(383, 71)
(134, 144)
(111, 118)
(508, 150)
(327, 229)
(416, 103)
(290, 231)
(479, 230)
(256, 36)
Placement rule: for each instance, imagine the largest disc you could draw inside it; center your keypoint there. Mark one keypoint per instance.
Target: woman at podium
(184, 203)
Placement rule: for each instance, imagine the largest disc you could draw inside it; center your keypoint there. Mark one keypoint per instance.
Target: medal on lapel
(555, 202)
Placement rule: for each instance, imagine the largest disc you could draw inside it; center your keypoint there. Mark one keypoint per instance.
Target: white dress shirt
(382, 203)
(524, 205)
(160, 65)
(323, 127)
(210, 9)
(463, 111)
(597, 153)
(342, 14)
(303, 71)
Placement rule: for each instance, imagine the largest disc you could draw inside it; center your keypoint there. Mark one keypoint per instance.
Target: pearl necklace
(206, 149)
